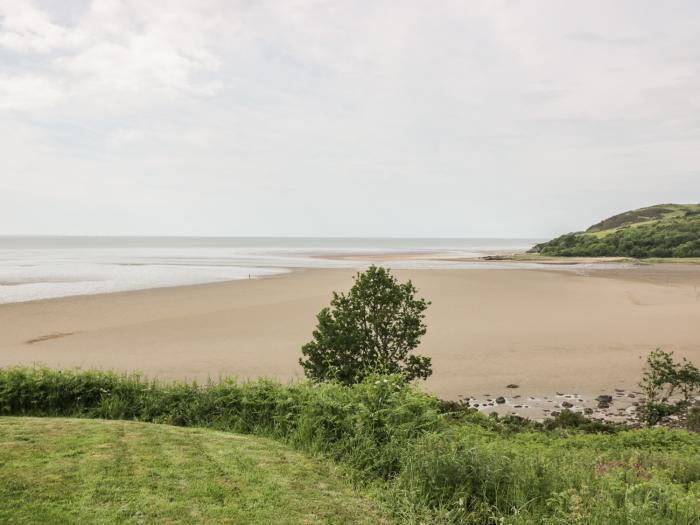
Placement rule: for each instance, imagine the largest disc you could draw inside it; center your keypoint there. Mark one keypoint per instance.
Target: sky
(344, 118)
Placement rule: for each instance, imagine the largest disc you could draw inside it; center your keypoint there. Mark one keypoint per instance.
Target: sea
(42, 267)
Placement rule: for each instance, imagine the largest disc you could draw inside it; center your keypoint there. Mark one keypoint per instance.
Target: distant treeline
(671, 238)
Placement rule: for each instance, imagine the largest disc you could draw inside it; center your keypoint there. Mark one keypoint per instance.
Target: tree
(370, 330)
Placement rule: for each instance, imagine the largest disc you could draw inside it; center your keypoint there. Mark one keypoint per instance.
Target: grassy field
(95, 471)
(425, 461)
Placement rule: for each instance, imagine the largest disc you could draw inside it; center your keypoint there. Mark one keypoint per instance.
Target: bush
(694, 419)
(576, 420)
(662, 378)
(370, 330)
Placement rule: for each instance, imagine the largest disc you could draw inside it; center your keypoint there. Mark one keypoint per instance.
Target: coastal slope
(664, 230)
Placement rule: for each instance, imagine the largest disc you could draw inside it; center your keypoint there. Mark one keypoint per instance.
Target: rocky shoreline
(617, 406)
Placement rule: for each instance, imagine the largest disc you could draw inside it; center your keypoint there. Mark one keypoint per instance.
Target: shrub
(662, 378)
(694, 419)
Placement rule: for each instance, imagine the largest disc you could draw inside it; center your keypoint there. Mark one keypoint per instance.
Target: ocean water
(47, 267)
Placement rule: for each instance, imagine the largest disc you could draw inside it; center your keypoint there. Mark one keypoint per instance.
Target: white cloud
(27, 93)
(27, 29)
(489, 117)
(115, 47)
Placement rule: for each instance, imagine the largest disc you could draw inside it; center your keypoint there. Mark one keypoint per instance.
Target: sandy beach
(553, 333)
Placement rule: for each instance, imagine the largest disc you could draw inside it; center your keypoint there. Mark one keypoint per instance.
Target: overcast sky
(344, 118)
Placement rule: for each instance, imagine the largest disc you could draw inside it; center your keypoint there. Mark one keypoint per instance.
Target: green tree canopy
(371, 329)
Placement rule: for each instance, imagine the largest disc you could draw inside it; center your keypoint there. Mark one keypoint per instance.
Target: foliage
(677, 235)
(431, 466)
(575, 420)
(662, 378)
(114, 472)
(370, 330)
(694, 419)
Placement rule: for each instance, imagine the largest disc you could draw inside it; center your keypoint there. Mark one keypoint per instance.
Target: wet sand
(547, 331)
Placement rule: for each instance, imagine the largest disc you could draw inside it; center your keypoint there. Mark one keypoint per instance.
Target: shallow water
(46, 267)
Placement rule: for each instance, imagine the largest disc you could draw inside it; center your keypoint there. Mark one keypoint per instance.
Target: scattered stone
(619, 390)
(631, 396)
(566, 404)
(516, 397)
(559, 394)
(512, 386)
(517, 406)
(500, 400)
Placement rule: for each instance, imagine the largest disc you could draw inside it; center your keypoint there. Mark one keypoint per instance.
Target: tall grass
(436, 467)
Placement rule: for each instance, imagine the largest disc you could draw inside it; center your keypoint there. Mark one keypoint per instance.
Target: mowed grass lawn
(55, 470)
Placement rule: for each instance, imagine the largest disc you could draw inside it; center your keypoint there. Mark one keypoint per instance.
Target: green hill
(664, 230)
(96, 471)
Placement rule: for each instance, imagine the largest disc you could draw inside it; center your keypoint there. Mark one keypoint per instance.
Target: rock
(517, 406)
(603, 404)
(566, 404)
(500, 400)
(512, 385)
(619, 390)
(631, 396)
(516, 397)
(604, 398)
(555, 413)
(588, 411)
(559, 394)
